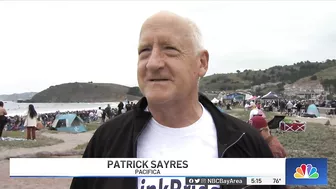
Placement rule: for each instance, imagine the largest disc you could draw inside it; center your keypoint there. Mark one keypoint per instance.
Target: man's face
(168, 65)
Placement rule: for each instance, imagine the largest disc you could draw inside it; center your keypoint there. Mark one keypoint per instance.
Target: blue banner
(306, 171)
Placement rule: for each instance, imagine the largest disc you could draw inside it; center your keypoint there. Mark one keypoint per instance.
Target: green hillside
(280, 75)
(329, 73)
(275, 78)
(327, 78)
(85, 92)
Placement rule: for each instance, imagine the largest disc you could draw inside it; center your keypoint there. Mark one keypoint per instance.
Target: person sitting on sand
(274, 144)
(260, 124)
(39, 124)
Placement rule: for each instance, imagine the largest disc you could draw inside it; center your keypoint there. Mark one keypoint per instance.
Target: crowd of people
(284, 106)
(105, 114)
(31, 120)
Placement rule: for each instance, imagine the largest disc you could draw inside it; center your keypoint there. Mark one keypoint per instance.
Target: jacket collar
(226, 133)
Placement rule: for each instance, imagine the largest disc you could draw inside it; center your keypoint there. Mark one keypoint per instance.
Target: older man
(172, 120)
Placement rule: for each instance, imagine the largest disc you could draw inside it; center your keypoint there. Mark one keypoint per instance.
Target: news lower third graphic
(216, 181)
(307, 171)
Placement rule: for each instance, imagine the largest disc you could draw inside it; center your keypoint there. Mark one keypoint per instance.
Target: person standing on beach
(3, 118)
(128, 106)
(108, 111)
(104, 116)
(254, 111)
(173, 120)
(100, 115)
(120, 107)
(31, 122)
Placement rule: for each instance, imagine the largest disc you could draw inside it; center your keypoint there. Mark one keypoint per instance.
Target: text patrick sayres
(146, 167)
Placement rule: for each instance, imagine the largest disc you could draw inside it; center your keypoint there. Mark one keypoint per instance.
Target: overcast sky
(53, 42)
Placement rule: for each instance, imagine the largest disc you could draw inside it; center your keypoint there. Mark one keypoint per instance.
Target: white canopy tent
(214, 100)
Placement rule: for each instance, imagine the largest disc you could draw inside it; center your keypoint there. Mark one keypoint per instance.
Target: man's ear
(204, 62)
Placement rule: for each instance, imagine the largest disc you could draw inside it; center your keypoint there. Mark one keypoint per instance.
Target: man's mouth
(157, 80)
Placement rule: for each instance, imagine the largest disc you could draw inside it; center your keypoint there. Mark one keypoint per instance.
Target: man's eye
(143, 50)
(170, 48)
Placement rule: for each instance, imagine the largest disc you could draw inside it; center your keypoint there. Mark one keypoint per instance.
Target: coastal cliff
(85, 92)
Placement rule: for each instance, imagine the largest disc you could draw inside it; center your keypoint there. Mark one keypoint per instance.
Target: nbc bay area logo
(306, 171)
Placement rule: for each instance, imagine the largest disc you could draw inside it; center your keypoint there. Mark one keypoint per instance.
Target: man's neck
(177, 114)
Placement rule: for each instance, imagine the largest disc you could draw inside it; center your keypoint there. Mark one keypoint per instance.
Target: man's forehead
(164, 32)
(162, 39)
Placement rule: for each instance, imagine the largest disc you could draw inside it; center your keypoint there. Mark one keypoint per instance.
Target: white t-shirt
(198, 140)
(99, 113)
(253, 112)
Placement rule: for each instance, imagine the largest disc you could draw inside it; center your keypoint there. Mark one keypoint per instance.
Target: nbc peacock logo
(306, 171)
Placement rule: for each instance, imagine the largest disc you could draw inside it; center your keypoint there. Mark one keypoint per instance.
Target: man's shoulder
(116, 124)
(240, 125)
(251, 142)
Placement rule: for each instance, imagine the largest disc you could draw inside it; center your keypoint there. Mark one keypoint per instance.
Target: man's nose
(155, 60)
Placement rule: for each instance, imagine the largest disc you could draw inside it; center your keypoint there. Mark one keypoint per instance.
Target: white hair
(197, 37)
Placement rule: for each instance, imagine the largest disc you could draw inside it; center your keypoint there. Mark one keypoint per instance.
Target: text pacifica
(146, 167)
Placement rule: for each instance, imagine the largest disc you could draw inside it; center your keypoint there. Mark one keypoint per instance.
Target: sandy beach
(70, 142)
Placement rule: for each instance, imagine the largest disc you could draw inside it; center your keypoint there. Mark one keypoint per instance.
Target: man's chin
(159, 97)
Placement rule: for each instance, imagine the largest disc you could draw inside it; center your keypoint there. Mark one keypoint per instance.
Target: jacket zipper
(232, 144)
(241, 136)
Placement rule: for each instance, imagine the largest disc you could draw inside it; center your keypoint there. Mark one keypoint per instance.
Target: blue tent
(312, 110)
(69, 123)
(237, 96)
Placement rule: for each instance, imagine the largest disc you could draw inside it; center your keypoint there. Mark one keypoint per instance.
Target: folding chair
(274, 123)
(292, 127)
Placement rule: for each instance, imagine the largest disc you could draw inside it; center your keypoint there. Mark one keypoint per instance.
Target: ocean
(14, 108)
